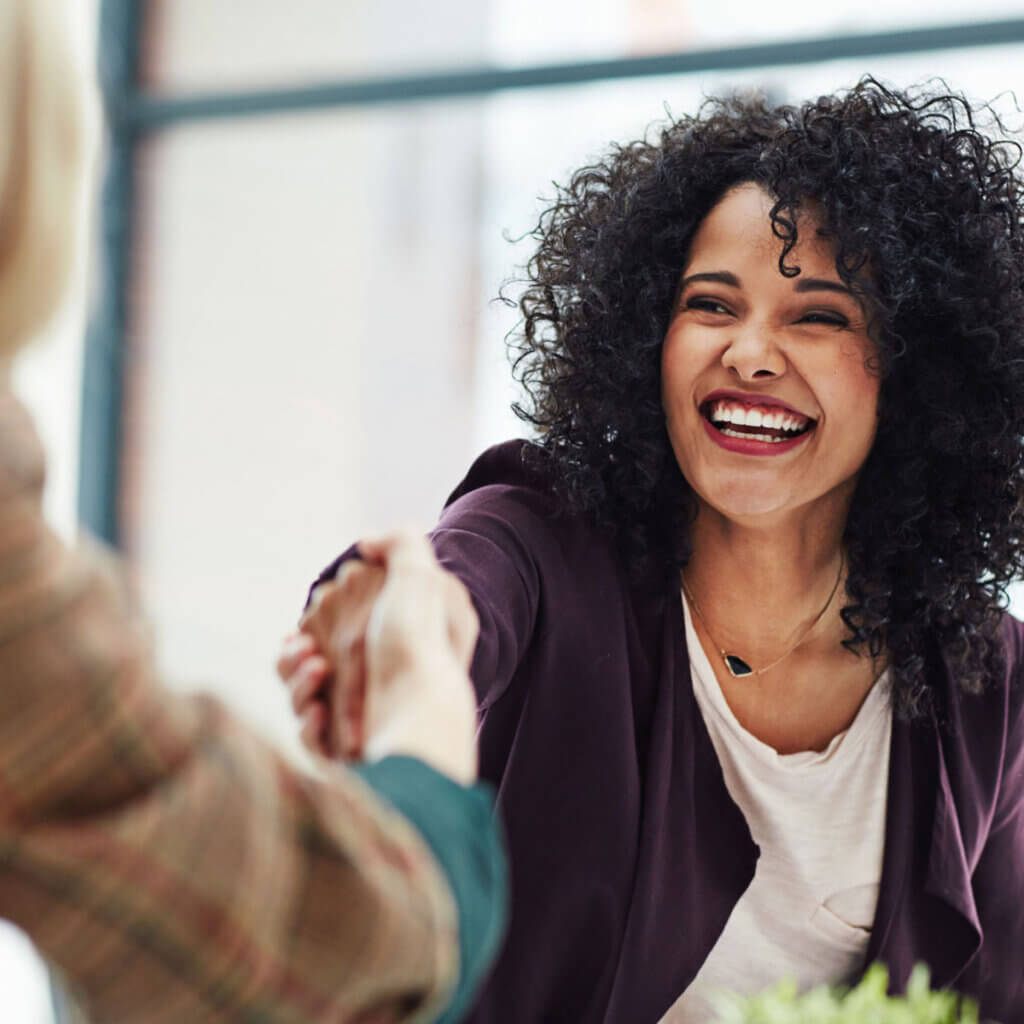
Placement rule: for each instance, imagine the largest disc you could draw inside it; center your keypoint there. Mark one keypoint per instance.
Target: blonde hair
(46, 135)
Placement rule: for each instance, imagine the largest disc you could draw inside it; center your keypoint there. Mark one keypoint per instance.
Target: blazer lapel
(948, 882)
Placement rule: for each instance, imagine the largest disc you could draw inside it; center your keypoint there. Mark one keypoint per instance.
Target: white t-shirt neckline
(843, 746)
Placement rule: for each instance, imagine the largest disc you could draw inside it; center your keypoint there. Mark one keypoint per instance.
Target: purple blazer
(627, 853)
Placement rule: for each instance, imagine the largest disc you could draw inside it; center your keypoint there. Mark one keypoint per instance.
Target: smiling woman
(747, 690)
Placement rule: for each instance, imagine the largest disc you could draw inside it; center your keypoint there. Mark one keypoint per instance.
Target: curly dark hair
(907, 184)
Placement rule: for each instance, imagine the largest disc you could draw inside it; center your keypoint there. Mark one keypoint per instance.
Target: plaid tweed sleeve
(168, 861)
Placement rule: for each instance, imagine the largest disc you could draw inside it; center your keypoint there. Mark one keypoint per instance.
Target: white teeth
(744, 416)
(767, 438)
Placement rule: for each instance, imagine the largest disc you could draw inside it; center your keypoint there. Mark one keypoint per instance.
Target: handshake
(379, 665)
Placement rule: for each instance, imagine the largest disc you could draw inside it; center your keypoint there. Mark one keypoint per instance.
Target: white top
(819, 819)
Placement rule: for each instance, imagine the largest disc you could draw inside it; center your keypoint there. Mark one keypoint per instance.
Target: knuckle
(292, 649)
(310, 728)
(346, 570)
(298, 697)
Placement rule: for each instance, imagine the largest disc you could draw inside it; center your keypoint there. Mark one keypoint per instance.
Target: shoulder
(1011, 634)
(504, 476)
(507, 464)
(504, 518)
(1005, 680)
(508, 499)
(1004, 694)
(1003, 691)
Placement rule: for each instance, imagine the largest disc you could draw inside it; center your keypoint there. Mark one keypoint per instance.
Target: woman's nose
(753, 353)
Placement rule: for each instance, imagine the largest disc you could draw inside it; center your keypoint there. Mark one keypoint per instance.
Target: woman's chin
(768, 503)
(750, 509)
(748, 501)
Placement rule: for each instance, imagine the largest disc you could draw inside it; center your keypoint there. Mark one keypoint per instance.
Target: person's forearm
(465, 835)
(146, 828)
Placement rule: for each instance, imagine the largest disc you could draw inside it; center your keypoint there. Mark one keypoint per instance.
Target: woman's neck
(760, 587)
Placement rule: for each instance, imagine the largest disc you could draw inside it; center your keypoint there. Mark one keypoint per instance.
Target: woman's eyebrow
(802, 284)
(821, 284)
(717, 276)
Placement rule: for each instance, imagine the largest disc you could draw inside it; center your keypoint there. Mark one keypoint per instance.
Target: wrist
(456, 761)
(432, 717)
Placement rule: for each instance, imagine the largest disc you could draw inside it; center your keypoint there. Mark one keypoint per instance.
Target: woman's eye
(824, 317)
(706, 305)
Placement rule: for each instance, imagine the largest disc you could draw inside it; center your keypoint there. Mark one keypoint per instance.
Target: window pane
(218, 44)
(305, 325)
(221, 44)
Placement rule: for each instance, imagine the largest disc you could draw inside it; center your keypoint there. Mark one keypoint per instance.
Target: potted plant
(868, 1003)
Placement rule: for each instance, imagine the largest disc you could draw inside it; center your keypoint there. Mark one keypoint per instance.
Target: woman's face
(769, 406)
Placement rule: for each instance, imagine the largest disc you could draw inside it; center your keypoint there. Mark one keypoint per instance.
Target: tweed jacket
(627, 853)
(164, 858)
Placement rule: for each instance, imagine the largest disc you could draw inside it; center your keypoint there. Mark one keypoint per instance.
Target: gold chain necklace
(733, 662)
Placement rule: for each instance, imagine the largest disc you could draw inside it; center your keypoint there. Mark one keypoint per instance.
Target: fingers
(336, 620)
(311, 732)
(408, 552)
(421, 633)
(338, 610)
(306, 674)
(403, 549)
(294, 649)
(396, 607)
(307, 681)
(351, 719)
(348, 700)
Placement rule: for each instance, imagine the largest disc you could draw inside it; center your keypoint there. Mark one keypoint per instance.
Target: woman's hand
(324, 664)
(304, 670)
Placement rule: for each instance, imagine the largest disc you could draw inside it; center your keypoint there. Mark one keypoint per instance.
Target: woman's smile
(754, 424)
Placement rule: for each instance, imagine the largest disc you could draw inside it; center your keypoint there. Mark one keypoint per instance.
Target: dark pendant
(737, 666)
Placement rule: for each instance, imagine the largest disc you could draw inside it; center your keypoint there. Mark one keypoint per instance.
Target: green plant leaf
(868, 1003)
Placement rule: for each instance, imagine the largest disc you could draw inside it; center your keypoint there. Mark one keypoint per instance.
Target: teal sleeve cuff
(460, 826)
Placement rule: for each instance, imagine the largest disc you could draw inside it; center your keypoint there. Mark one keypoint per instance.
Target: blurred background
(284, 331)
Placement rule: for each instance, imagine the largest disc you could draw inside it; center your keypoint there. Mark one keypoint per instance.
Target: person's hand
(368, 679)
(304, 670)
(324, 665)
(419, 643)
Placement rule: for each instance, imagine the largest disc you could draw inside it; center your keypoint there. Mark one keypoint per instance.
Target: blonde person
(167, 861)
(748, 690)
